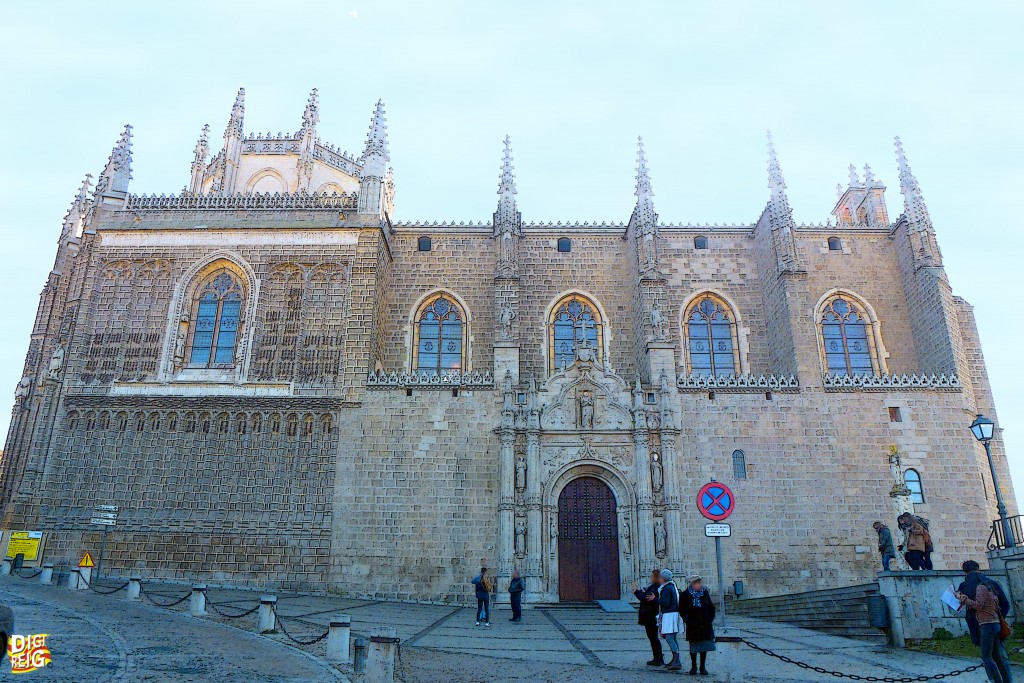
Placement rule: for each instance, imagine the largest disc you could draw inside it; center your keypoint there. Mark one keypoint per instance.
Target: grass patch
(944, 643)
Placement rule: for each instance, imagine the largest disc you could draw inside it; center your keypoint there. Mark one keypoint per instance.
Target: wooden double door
(588, 542)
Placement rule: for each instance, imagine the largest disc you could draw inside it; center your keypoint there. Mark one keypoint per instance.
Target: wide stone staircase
(837, 611)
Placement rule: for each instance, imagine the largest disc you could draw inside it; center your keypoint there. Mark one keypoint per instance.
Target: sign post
(716, 502)
(104, 516)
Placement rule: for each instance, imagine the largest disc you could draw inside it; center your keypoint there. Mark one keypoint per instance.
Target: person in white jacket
(668, 620)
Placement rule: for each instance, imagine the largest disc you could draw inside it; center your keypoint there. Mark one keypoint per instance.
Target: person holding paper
(986, 607)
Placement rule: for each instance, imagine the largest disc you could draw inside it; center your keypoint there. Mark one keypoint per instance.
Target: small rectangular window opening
(652, 397)
(408, 392)
(895, 415)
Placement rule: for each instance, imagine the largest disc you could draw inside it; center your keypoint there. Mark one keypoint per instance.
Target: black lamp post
(983, 428)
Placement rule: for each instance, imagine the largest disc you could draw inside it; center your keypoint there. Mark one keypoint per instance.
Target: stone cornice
(941, 382)
(429, 380)
(738, 383)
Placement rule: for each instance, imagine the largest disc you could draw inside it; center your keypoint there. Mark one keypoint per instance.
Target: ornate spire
(236, 122)
(854, 179)
(307, 143)
(644, 193)
(780, 214)
(74, 220)
(113, 181)
(202, 151)
(507, 213)
(869, 175)
(926, 249)
(375, 153)
(203, 144)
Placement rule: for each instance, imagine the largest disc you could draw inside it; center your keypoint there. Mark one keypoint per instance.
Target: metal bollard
(381, 656)
(85, 578)
(5, 568)
(338, 636)
(131, 594)
(197, 602)
(267, 619)
(359, 656)
(73, 578)
(46, 575)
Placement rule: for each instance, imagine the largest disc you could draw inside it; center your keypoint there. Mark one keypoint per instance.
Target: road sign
(25, 543)
(106, 508)
(99, 521)
(717, 530)
(87, 560)
(715, 501)
(105, 515)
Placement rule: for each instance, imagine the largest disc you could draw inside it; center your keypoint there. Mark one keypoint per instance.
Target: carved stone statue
(653, 420)
(657, 473)
(520, 537)
(23, 389)
(627, 539)
(179, 343)
(586, 410)
(659, 322)
(660, 547)
(505, 318)
(520, 473)
(56, 362)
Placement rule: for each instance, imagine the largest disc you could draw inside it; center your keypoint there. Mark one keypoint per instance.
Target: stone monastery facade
(279, 384)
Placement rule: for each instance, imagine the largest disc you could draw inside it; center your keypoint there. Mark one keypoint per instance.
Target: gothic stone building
(280, 385)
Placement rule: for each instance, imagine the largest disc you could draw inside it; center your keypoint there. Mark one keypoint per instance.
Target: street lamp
(982, 428)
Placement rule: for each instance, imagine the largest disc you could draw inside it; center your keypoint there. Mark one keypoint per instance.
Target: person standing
(885, 545)
(647, 616)
(483, 597)
(915, 543)
(986, 609)
(668, 618)
(698, 614)
(969, 587)
(515, 593)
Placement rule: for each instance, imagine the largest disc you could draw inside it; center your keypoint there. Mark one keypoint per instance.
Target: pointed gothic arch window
(847, 337)
(575, 321)
(215, 320)
(913, 480)
(712, 348)
(440, 336)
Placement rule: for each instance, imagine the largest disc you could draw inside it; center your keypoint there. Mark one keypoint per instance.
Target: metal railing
(997, 539)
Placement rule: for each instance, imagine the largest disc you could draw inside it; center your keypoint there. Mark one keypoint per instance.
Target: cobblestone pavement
(106, 639)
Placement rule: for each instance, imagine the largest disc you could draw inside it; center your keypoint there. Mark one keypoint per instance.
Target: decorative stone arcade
(584, 422)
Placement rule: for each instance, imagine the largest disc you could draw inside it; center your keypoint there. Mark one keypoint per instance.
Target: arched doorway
(588, 542)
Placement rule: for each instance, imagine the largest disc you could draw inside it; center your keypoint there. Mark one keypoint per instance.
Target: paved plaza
(102, 638)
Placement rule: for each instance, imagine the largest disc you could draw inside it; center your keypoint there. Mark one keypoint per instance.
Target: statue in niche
(506, 264)
(657, 473)
(627, 539)
(586, 410)
(520, 473)
(553, 534)
(658, 322)
(660, 543)
(505, 318)
(179, 342)
(520, 537)
(56, 362)
(23, 389)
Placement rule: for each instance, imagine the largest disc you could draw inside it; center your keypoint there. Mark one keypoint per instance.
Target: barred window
(711, 340)
(575, 322)
(216, 318)
(913, 480)
(846, 335)
(739, 465)
(440, 332)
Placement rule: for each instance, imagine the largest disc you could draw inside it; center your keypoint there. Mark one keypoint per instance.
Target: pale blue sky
(573, 84)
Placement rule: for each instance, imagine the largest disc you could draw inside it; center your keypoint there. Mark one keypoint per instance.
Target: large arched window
(847, 336)
(913, 481)
(440, 331)
(711, 341)
(215, 320)
(575, 322)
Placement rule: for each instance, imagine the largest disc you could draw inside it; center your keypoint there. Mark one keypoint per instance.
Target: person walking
(647, 616)
(698, 614)
(916, 543)
(483, 597)
(988, 613)
(668, 617)
(885, 545)
(515, 593)
(969, 587)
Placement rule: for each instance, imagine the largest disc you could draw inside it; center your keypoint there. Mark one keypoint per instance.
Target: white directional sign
(104, 515)
(102, 522)
(717, 530)
(106, 508)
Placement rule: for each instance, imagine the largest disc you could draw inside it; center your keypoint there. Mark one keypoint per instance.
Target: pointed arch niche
(209, 331)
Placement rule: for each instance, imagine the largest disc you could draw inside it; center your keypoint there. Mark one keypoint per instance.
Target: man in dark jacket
(515, 592)
(885, 545)
(648, 616)
(969, 587)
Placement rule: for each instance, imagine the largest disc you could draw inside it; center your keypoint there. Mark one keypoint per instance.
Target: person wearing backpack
(990, 630)
(969, 587)
(483, 597)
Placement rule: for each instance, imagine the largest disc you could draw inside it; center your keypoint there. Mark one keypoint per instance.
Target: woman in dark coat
(698, 613)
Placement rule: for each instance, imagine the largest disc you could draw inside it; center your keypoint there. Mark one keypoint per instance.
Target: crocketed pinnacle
(506, 215)
(913, 199)
(236, 122)
(118, 171)
(644, 193)
(311, 115)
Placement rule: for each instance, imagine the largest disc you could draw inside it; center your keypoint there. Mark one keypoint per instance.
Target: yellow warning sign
(87, 560)
(25, 543)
